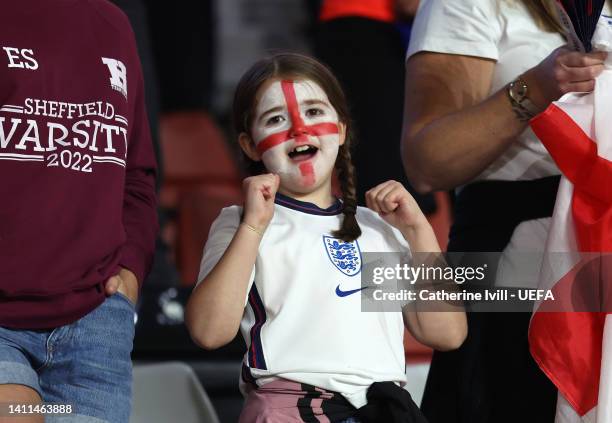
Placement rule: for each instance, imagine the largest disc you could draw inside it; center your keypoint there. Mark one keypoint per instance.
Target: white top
(299, 323)
(501, 30)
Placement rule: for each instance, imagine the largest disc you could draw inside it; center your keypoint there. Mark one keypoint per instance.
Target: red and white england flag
(574, 349)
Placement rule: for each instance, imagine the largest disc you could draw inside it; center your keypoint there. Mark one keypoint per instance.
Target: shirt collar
(309, 208)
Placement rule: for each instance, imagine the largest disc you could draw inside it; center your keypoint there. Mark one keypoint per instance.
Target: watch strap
(522, 106)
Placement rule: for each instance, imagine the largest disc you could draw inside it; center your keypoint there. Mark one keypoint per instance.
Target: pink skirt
(283, 401)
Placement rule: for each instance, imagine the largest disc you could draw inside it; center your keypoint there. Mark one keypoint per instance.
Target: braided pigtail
(349, 230)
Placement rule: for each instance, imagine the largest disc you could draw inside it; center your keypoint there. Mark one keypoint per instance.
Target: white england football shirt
(301, 321)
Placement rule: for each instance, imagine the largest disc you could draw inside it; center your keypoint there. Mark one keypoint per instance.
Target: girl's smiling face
(297, 133)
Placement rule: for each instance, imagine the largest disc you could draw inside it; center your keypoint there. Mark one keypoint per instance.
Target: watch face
(518, 90)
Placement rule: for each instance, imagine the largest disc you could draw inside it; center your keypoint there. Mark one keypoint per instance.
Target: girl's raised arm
(441, 330)
(216, 305)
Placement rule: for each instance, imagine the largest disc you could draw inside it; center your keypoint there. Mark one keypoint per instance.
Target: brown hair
(297, 66)
(544, 13)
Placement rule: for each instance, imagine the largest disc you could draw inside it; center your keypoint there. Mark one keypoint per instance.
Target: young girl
(282, 268)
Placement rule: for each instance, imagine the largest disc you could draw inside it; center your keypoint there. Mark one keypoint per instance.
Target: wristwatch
(522, 106)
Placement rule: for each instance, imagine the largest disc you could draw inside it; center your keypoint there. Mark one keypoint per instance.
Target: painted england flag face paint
(296, 132)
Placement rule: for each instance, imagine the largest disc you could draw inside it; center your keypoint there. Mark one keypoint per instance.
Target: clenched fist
(395, 205)
(259, 192)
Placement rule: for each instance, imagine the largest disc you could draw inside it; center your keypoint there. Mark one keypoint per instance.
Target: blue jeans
(85, 364)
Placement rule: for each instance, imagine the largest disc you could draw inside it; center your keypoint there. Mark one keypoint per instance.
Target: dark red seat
(200, 177)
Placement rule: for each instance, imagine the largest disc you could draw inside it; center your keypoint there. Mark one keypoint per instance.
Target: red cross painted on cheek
(299, 131)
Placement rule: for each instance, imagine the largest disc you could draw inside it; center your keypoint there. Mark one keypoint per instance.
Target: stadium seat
(197, 209)
(415, 351)
(169, 392)
(200, 177)
(194, 153)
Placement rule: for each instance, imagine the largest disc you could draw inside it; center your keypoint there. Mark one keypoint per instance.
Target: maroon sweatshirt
(77, 168)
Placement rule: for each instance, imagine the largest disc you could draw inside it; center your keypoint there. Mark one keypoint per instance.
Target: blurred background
(193, 53)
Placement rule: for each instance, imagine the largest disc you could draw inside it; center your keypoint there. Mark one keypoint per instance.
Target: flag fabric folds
(575, 349)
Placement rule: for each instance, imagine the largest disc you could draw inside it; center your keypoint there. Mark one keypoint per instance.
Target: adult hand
(259, 192)
(124, 282)
(563, 71)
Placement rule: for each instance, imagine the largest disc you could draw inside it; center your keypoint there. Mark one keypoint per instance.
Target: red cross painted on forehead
(299, 130)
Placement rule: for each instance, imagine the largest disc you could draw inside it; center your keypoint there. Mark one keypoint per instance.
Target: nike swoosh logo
(342, 293)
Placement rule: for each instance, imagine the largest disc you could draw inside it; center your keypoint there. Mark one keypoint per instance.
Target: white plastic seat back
(169, 392)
